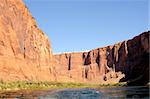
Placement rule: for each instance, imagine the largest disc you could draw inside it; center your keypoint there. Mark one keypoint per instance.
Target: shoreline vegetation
(34, 85)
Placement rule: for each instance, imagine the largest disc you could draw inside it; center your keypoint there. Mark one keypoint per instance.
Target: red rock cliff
(25, 54)
(25, 51)
(129, 57)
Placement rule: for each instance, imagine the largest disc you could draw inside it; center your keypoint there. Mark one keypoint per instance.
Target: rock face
(25, 51)
(103, 64)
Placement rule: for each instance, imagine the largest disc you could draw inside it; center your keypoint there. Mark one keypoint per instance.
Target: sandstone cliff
(129, 57)
(25, 51)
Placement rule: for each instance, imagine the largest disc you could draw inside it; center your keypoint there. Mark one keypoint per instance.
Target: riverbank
(23, 85)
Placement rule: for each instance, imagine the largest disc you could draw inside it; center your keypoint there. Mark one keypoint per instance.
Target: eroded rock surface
(108, 64)
(25, 51)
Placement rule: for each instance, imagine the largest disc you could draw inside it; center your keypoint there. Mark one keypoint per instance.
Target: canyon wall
(130, 58)
(26, 54)
(25, 51)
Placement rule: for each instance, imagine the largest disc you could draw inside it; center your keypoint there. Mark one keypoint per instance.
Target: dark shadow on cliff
(132, 59)
(140, 76)
(137, 64)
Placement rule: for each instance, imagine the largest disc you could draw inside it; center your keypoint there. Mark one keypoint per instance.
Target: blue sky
(78, 25)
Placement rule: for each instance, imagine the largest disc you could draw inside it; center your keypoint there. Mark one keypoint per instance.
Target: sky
(81, 25)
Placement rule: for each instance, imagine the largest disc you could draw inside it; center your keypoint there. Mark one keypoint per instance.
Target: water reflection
(135, 92)
(74, 94)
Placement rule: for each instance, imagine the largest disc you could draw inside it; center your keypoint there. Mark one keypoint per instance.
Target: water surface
(134, 92)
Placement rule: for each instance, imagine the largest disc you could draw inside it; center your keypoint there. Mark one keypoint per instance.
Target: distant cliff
(128, 57)
(25, 51)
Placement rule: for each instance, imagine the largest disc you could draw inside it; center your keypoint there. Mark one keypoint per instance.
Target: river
(132, 92)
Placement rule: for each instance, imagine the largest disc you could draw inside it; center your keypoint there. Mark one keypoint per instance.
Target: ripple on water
(74, 94)
(133, 92)
(137, 92)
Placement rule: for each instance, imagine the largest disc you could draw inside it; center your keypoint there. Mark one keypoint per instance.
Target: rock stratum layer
(26, 54)
(25, 51)
(107, 64)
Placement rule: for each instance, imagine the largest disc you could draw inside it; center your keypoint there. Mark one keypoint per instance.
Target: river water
(134, 92)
